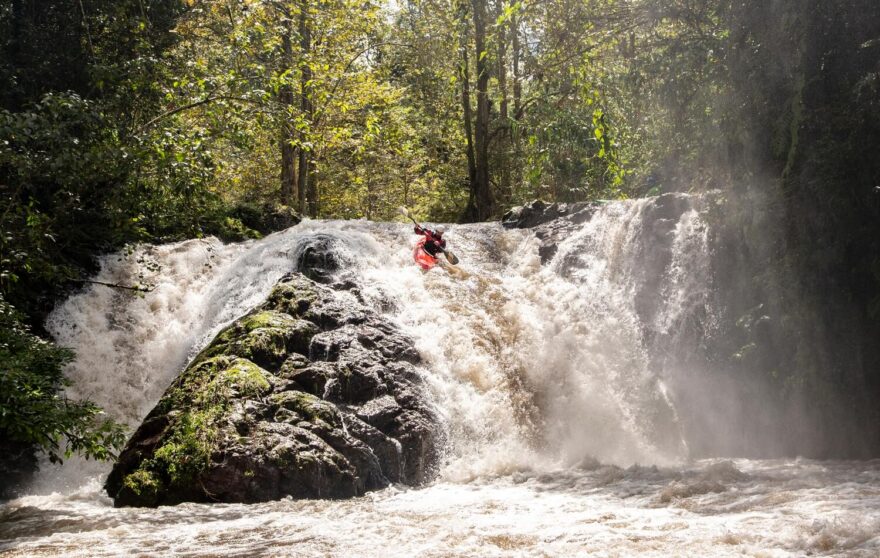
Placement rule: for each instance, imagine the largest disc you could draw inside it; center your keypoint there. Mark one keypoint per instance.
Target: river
(566, 434)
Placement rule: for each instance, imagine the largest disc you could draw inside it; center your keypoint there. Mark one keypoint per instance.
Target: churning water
(564, 437)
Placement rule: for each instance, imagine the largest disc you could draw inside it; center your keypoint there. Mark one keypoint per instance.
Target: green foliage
(78, 177)
(57, 160)
(186, 453)
(157, 120)
(32, 411)
(144, 484)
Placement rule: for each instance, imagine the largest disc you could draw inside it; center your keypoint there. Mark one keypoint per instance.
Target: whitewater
(564, 437)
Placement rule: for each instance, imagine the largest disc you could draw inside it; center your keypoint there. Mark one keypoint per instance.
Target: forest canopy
(128, 121)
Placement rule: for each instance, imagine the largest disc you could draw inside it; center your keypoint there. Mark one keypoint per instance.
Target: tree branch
(336, 85)
(205, 101)
(137, 288)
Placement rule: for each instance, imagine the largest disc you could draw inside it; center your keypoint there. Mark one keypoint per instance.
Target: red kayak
(425, 260)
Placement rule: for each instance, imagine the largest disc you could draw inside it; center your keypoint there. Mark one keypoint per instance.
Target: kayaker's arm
(419, 230)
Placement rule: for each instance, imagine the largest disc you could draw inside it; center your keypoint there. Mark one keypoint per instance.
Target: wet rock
(266, 338)
(378, 336)
(418, 438)
(379, 412)
(539, 212)
(281, 217)
(325, 308)
(292, 364)
(386, 449)
(18, 463)
(253, 418)
(366, 337)
(313, 378)
(355, 383)
(551, 222)
(320, 258)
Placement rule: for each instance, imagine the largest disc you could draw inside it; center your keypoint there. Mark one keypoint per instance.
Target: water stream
(564, 436)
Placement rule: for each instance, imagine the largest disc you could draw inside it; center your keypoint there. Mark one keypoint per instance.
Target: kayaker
(434, 242)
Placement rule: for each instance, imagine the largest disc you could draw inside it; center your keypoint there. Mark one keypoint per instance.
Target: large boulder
(311, 395)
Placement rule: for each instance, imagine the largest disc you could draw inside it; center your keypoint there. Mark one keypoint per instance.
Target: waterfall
(531, 365)
(577, 370)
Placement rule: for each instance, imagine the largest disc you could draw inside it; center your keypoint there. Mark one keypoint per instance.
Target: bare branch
(137, 288)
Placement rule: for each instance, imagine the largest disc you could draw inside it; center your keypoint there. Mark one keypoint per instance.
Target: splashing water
(556, 414)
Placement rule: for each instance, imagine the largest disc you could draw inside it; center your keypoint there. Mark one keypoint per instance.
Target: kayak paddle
(452, 258)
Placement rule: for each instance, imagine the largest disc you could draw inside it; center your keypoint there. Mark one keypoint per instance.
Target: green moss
(143, 483)
(265, 337)
(192, 382)
(293, 290)
(308, 406)
(265, 345)
(266, 318)
(187, 451)
(201, 397)
(243, 377)
(207, 391)
(235, 338)
(294, 297)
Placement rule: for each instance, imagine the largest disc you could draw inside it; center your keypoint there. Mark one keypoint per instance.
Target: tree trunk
(464, 75)
(288, 151)
(517, 84)
(307, 190)
(481, 189)
(468, 116)
(517, 103)
(504, 135)
(312, 183)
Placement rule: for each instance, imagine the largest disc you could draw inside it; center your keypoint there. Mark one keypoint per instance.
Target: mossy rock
(253, 418)
(143, 486)
(292, 364)
(265, 346)
(219, 378)
(243, 378)
(302, 298)
(293, 297)
(266, 337)
(308, 406)
(205, 392)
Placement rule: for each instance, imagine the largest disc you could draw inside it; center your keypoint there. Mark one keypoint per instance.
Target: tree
(80, 76)
(32, 409)
(482, 200)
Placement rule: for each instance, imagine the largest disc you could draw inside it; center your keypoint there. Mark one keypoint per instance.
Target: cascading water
(557, 412)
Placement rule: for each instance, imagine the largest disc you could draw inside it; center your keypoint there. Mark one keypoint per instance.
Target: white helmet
(440, 229)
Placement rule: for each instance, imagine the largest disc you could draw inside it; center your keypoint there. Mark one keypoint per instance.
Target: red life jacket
(434, 243)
